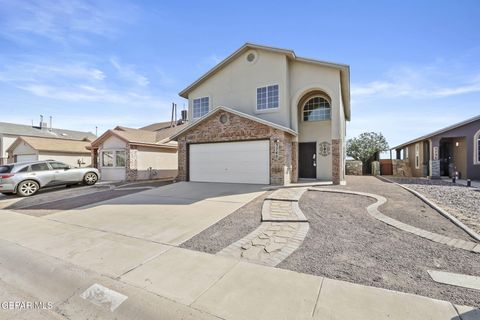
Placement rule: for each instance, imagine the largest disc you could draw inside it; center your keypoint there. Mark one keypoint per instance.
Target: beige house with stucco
(72, 152)
(264, 115)
(129, 154)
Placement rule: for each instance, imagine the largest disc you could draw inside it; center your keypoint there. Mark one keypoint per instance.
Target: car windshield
(5, 169)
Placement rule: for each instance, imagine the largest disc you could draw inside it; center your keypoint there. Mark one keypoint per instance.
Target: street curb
(434, 206)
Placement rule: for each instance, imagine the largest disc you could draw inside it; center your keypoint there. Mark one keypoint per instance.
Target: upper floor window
(200, 107)
(317, 108)
(267, 97)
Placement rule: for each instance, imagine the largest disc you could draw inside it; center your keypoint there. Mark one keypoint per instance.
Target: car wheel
(27, 188)
(90, 178)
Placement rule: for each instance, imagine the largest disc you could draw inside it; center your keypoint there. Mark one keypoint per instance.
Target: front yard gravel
(230, 229)
(346, 243)
(458, 200)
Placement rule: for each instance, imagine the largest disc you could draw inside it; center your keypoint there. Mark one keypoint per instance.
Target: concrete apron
(165, 282)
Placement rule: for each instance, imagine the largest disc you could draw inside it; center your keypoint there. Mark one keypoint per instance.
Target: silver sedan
(26, 178)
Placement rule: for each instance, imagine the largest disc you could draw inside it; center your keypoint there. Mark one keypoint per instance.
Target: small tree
(366, 146)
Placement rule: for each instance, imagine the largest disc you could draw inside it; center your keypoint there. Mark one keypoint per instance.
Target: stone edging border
(434, 206)
(295, 242)
(375, 213)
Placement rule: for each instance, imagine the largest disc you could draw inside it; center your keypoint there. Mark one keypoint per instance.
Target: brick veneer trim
(237, 128)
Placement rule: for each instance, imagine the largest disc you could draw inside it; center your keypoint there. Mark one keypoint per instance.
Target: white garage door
(235, 162)
(26, 157)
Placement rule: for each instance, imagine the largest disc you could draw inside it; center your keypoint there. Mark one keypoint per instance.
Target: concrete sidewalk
(213, 285)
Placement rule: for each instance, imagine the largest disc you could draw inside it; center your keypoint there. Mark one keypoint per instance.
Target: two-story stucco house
(265, 116)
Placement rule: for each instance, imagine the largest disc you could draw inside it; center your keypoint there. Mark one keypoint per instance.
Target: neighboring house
(136, 154)
(446, 151)
(9, 132)
(71, 152)
(265, 116)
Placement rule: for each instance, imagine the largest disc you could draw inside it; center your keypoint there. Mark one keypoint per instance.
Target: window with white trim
(113, 158)
(317, 108)
(417, 156)
(267, 97)
(200, 107)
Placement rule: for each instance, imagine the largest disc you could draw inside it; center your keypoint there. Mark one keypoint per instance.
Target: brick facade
(336, 161)
(283, 164)
(131, 154)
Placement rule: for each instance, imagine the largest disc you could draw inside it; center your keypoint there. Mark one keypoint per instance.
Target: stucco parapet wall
(432, 236)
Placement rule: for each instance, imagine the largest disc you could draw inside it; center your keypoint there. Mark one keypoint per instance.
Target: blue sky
(415, 65)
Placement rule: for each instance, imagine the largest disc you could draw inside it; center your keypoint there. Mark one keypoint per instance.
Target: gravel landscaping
(230, 229)
(346, 243)
(458, 200)
(405, 207)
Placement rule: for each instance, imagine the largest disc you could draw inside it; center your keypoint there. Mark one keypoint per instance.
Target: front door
(307, 160)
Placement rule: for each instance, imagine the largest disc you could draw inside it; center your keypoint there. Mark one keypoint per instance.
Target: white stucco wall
(111, 173)
(307, 77)
(235, 86)
(152, 157)
(113, 143)
(68, 158)
(5, 143)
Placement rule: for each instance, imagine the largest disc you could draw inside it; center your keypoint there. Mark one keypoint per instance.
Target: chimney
(42, 124)
(50, 126)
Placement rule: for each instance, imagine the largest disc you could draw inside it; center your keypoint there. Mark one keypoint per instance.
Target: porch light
(457, 144)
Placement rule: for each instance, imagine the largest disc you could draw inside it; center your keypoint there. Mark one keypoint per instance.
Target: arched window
(316, 108)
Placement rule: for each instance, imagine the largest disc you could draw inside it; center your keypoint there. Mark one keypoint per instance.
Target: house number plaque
(435, 153)
(324, 148)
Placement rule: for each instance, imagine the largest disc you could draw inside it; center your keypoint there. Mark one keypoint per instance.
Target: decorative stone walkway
(282, 231)
(374, 212)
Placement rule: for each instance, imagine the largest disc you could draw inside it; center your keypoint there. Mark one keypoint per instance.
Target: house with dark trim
(454, 149)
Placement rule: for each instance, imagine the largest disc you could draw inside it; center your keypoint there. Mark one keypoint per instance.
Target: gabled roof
(52, 145)
(140, 137)
(238, 113)
(344, 71)
(428, 136)
(157, 126)
(26, 130)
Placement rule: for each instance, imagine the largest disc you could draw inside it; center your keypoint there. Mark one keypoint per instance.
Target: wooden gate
(386, 168)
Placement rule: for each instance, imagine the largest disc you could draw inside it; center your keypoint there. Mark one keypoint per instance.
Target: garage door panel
(235, 162)
(26, 157)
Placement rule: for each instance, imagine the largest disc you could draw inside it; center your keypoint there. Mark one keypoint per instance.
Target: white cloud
(127, 72)
(419, 82)
(62, 20)
(85, 93)
(37, 71)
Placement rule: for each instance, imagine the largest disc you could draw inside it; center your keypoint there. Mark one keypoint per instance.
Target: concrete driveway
(169, 215)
